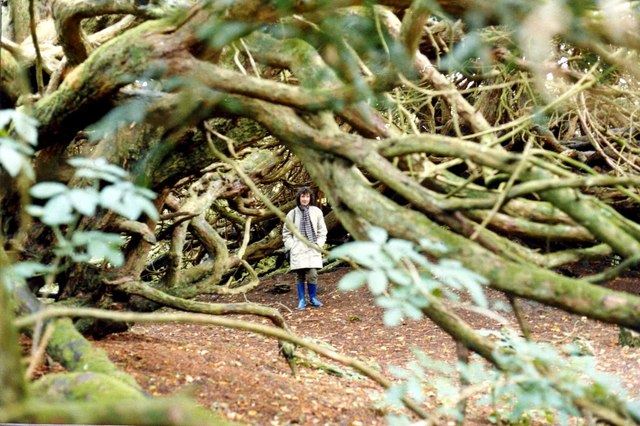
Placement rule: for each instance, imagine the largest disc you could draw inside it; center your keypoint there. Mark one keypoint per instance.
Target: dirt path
(243, 376)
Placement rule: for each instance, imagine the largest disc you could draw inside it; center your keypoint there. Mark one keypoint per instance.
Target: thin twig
(251, 60)
(245, 239)
(613, 272)
(34, 38)
(463, 357)
(522, 321)
(38, 355)
(503, 195)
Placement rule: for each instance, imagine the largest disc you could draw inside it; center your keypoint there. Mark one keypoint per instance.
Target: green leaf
(500, 306)
(100, 246)
(392, 317)
(35, 211)
(377, 235)
(365, 253)
(412, 311)
(25, 127)
(110, 196)
(11, 160)
(97, 250)
(477, 294)
(394, 395)
(5, 117)
(104, 166)
(149, 209)
(28, 269)
(377, 281)
(444, 387)
(80, 238)
(98, 167)
(124, 199)
(57, 211)
(388, 302)
(414, 389)
(145, 192)
(454, 274)
(94, 175)
(131, 208)
(348, 249)
(44, 190)
(399, 277)
(399, 372)
(438, 366)
(398, 249)
(352, 281)
(433, 246)
(19, 147)
(398, 420)
(419, 301)
(418, 258)
(467, 49)
(84, 200)
(473, 372)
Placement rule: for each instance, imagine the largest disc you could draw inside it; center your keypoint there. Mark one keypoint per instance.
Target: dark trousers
(308, 275)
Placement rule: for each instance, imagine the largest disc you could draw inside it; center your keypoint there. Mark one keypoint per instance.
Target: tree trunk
(12, 383)
(20, 17)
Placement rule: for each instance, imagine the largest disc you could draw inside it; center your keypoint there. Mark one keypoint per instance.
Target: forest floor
(243, 376)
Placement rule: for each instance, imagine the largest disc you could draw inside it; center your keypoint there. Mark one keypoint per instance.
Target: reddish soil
(243, 376)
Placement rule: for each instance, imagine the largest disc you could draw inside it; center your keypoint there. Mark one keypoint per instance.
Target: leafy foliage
(483, 76)
(401, 277)
(107, 187)
(15, 152)
(64, 205)
(529, 377)
(532, 379)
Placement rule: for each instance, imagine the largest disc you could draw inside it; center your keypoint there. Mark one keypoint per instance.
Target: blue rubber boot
(301, 302)
(313, 288)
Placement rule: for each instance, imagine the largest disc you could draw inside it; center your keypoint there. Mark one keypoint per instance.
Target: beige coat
(303, 256)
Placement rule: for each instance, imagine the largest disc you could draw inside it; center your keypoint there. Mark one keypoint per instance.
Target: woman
(305, 260)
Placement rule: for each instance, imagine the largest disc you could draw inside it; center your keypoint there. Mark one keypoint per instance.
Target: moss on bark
(12, 384)
(13, 82)
(77, 354)
(153, 412)
(88, 387)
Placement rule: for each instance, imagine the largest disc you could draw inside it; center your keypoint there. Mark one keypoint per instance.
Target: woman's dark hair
(305, 190)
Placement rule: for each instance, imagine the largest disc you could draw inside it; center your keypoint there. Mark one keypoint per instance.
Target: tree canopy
(150, 152)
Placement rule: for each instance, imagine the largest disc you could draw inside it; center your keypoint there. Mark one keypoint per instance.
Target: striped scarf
(305, 224)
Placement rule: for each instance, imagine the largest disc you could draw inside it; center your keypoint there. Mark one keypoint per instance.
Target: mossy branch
(152, 412)
(262, 329)
(70, 13)
(12, 383)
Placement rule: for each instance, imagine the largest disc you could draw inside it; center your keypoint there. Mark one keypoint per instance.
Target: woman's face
(305, 199)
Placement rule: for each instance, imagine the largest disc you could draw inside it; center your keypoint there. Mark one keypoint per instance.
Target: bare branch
(70, 13)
